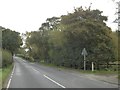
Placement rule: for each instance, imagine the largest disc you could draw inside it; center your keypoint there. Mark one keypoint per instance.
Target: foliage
(115, 38)
(60, 40)
(6, 58)
(11, 40)
(5, 74)
(0, 37)
(0, 78)
(0, 58)
(26, 57)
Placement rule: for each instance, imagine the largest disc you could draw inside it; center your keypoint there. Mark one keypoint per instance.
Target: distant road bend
(31, 75)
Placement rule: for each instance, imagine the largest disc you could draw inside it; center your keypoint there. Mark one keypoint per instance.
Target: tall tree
(61, 40)
(11, 40)
(87, 29)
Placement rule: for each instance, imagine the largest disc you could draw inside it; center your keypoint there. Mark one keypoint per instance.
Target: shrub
(6, 58)
(0, 58)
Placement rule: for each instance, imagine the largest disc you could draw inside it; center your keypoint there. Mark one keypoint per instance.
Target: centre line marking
(54, 81)
(35, 70)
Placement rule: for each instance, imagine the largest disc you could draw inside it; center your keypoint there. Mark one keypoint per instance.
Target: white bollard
(92, 66)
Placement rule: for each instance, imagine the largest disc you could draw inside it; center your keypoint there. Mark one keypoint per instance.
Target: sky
(28, 15)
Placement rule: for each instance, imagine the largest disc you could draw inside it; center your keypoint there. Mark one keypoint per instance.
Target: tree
(86, 29)
(1, 36)
(6, 58)
(11, 40)
(60, 40)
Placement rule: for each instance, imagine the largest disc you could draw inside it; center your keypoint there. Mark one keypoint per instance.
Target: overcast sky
(27, 15)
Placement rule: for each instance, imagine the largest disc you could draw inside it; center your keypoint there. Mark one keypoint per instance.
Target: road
(32, 75)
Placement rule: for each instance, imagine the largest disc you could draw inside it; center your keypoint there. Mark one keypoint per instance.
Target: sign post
(84, 53)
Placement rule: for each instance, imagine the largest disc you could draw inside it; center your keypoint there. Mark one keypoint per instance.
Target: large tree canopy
(86, 29)
(60, 40)
(11, 40)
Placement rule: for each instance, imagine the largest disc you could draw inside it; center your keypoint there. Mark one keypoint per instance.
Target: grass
(0, 78)
(99, 72)
(5, 73)
(96, 72)
(119, 77)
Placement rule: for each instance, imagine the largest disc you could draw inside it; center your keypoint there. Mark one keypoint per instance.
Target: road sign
(84, 53)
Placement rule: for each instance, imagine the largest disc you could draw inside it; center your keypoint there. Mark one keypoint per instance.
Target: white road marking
(50, 79)
(35, 70)
(11, 76)
(54, 81)
(8, 85)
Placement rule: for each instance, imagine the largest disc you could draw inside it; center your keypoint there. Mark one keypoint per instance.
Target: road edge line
(54, 81)
(8, 85)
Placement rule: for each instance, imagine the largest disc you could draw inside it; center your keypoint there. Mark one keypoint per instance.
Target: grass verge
(5, 73)
(119, 77)
(0, 78)
(96, 72)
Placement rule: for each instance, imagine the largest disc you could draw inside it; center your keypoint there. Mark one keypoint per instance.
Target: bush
(6, 58)
(31, 59)
(0, 58)
(20, 55)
